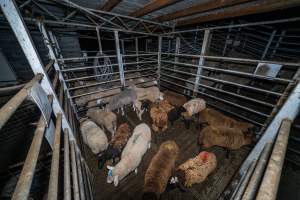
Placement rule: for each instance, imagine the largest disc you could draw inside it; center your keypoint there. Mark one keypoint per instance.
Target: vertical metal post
(74, 172)
(53, 182)
(268, 45)
(201, 60)
(227, 38)
(99, 40)
(278, 43)
(120, 61)
(177, 50)
(169, 46)
(159, 60)
(67, 178)
(146, 45)
(80, 176)
(13, 16)
(137, 51)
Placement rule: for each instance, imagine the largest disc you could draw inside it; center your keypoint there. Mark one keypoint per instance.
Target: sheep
(151, 94)
(103, 118)
(139, 109)
(159, 118)
(212, 117)
(125, 97)
(132, 154)
(192, 107)
(195, 170)
(174, 98)
(229, 138)
(93, 136)
(116, 145)
(160, 169)
(165, 106)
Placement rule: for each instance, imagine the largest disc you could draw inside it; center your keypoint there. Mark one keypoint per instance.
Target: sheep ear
(110, 167)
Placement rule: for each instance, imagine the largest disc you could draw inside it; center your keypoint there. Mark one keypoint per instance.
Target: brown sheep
(174, 98)
(196, 170)
(230, 138)
(165, 105)
(116, 145)
(210, 116)
(159, 119)
(160, 170)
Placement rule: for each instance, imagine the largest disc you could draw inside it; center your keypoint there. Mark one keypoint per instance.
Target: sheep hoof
(135, 171)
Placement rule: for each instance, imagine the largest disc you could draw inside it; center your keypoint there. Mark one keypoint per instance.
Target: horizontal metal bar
(101, 83)
(226, 82)
(12, 105)
(103, 66)
(236, 25)
(222, 109)
(89, 93)
(230, 71)
(234, 59)
(219, 99)
(223, 91)
(25, 180)
(88, 77)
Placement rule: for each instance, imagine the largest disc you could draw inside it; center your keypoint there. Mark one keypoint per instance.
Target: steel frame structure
(95, 20)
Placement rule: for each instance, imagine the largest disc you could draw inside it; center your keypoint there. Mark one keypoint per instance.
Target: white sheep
(93, 136)
(132, 154)
(194, 106)
(151, 94)
(103, 118)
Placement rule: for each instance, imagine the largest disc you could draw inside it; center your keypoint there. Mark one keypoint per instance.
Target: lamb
(174, 98)
(125, 97)
(212, 117)
(103, 118)
(116, 145)
(173, 113)
(93, 136)
(132, 154)
(160, 169)
(229, 138)
(165, 106)
(195, 170)
(159, 118)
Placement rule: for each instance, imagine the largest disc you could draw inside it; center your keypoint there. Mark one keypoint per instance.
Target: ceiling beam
(259, 6)
(109, 5)
(152, 6)
(201, 7)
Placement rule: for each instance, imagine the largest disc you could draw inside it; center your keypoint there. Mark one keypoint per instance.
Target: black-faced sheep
(132, 154)
(116, 145)
(93, 136)
(160, 170)
(196, 170)
(103, 118)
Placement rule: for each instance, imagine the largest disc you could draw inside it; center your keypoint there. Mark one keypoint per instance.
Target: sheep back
(212, 117)
(103, 118)
(197, 169)
(194, 106)
(160, 169)
(231, 138)
(125, 97)
(93, 136)
(159, 119)
(165, 106)
(121, 137)
(174, 98)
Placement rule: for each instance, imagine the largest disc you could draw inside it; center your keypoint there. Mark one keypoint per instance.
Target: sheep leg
(122, 109)
(136, 171)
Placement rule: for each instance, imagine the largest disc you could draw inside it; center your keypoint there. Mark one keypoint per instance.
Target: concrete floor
(131, 187)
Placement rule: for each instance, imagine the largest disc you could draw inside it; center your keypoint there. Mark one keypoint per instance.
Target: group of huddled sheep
(130, 146)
